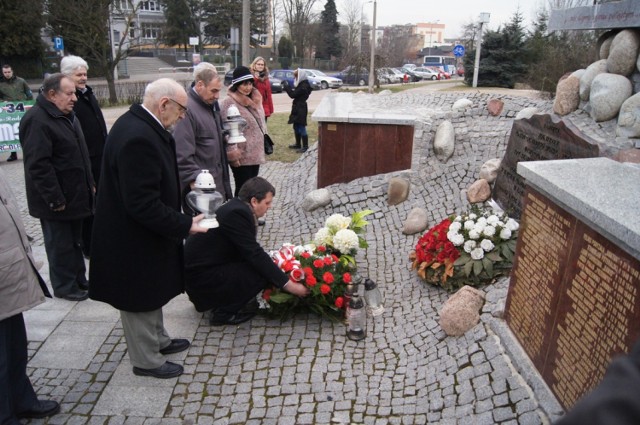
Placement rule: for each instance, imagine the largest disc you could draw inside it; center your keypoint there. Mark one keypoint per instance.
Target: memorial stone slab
(604, 15)
(574, 295)
(541, 137)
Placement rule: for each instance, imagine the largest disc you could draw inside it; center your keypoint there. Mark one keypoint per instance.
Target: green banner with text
(11, 113)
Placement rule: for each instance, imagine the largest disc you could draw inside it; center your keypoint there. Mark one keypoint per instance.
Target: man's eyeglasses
(182, 107)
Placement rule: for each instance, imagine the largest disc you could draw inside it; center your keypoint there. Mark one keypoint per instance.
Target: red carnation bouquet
(319, 271)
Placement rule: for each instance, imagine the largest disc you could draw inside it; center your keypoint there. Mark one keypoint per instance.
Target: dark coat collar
(137, 110)
(52, 109)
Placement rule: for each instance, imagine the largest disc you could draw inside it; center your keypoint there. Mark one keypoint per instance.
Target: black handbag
(268, 145)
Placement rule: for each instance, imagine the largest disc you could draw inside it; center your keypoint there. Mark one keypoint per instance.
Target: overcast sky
(453, 13)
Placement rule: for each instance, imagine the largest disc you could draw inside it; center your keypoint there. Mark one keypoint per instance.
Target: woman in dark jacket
(299, 109)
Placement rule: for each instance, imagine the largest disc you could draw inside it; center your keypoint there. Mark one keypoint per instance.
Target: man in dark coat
(227, 267)
(299, 110)
(138, 230)
(199, 140)
(59, 184)
(93, 126)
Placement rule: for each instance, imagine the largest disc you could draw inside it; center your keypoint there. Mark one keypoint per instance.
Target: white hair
(69, 64)
(160, 88)
(205, 72)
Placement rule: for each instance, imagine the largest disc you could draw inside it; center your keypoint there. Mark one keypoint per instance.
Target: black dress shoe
(176, 346)
(42, 409)
(78, 295)
(294, 146)
(220, 318)
(166, 371)
(12, 157)
(84, 285)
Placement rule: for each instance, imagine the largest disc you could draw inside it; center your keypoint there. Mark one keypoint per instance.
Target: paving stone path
(305, 370)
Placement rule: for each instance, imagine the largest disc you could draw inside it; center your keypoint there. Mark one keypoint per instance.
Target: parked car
(412, 77)
(389, 75)
(444, 75)
(287, 75)
(409, 66)
(351, 75)
(276, 83)
(426, 73)
(323, 79)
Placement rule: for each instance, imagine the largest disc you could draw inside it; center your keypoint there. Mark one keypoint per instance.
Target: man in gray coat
(199, 138)
(21, 288)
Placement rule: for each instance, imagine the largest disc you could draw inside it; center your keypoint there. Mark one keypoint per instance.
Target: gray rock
(589, 74)
(444, 143)
(316, 199)
(635, 80)
(527, 113)
(608, 93)
(567, 96)
(577, 73)
(489, 170)
(629, 117)
(462, 104)
(605, 47)
(624, 52)
(417, 221)
(398, 190)
(479, 191)
(460, 312)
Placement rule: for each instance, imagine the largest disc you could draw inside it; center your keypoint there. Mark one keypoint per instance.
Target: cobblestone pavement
(305, 370)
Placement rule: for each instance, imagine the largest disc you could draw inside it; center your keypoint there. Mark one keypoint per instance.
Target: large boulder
(629, 117)
(461, 104)
(444, 142)
(398, 190)
(578, 73)
(495, 107)
(567, 96)
(461, 312)
(479, 191)
(417, 221)
(624, 52)
(489, 170)
(590, 73)
(608, 93)
(316, 199)
(605, 47)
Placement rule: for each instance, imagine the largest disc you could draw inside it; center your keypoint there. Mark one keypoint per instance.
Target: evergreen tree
(502, 57)
(221, 15)
(180, 23)
(329, 42)
(285, 52)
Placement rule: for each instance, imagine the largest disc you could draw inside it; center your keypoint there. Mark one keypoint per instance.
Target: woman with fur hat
(245, 158)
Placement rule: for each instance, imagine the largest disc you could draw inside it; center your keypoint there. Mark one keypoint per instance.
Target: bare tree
(275, 15)
(86, 26)
(350, 12)
(298, 14)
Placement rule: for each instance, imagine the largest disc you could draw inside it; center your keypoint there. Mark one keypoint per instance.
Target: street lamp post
(372, 70)
(484, 19)
(431, 34)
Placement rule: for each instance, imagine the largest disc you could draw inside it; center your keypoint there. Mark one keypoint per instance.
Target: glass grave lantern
(373, 298)
(234, 124)
(205, 199)
(356, 319)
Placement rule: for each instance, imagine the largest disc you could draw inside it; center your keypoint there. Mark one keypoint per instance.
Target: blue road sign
(58, 43)
(458, 51)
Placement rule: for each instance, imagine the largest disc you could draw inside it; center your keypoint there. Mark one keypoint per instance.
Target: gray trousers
(145, 335)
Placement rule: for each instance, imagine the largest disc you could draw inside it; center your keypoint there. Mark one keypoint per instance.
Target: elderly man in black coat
(59, 183)
(227, 267)
(93, 126)
(138, 230)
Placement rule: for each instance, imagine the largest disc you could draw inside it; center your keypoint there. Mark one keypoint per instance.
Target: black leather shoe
(78, 295)
(84, 285)
(294, 146)
(302, 150)
(176, 346)
(12, 157)
(220, 319)
(166, 371)
(42, 409)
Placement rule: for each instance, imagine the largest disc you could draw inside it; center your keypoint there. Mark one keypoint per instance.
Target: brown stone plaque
(541, 254)
(574, 298)
(541, 137)
(598, 315)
